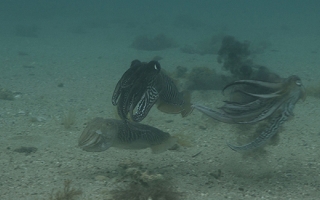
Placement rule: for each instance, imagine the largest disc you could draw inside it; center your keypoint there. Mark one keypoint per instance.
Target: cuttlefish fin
(164, 145)
(187, 106)
(185, 109)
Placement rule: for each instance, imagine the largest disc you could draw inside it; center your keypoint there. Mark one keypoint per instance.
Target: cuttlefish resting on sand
(101, 134)
(274, 101)
(142, 86)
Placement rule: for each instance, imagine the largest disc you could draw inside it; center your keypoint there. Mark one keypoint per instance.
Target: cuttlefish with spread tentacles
(276, 103)
(142, 86)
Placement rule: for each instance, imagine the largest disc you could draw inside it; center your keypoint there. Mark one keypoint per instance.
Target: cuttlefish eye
(155, 64)
(298, 83)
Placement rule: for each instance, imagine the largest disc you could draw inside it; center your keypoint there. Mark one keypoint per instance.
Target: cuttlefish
(267, 100)
(142, 86)
(101, 134)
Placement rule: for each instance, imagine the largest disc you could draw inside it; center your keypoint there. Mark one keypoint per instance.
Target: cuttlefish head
(294, 84)
(99, 135)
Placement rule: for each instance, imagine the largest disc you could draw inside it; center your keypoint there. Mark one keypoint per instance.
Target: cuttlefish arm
(279, 104)
(134, 85)
(275, 86)
(126, 80)
(264, 136)
(234, 107)
(145, 104)
(263, 96)
(232, 113)
(123, 105)
(295, 92)
(264, 113)
(145, 92)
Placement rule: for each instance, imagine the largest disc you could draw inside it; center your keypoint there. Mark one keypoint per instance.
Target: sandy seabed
(89, 66)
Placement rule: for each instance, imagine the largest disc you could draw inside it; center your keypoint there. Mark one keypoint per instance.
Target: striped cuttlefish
(101, 134)
(145, 84)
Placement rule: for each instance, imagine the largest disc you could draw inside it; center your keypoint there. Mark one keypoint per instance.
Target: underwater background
(61, 60)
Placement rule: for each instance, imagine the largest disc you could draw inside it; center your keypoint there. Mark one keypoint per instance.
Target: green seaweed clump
(141, 185)
(159, 42)
(235, 57)
(67, 193)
